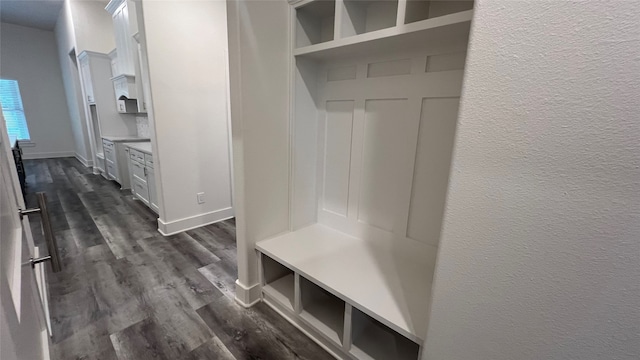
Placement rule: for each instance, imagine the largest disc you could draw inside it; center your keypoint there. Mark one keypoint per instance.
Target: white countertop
(144, 147)
(125, 138)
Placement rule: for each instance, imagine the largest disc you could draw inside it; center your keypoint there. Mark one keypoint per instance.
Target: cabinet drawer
(110, 154)
(141, 190)
(112, 171)
(138, 171)
(107, 144)
(148, 160)
(137, 155)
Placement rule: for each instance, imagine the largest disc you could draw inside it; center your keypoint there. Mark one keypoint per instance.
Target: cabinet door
(141, 190)
(130, 168)
(151, 185)
(85, 71)
(124, 42)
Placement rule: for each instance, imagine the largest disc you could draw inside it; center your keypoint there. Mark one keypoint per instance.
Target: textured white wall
(30, 56)
(93, 26)
(259, 69)
(186, 47)
(540, 251)
(65, 38)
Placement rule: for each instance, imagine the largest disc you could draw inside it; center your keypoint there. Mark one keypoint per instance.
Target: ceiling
(41, 14)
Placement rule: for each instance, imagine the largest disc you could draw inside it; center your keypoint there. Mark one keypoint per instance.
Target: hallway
(127, 292)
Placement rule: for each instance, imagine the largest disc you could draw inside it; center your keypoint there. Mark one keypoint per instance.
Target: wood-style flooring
(127, 292)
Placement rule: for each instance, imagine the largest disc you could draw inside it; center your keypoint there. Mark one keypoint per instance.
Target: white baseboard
(47, 155)
(167, 228)
(85, 162)
(247, 296)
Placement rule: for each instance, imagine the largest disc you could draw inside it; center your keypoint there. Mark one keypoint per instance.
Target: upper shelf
(390, 281)
(397, 38)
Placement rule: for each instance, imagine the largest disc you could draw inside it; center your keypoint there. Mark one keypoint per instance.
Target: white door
(23, 330)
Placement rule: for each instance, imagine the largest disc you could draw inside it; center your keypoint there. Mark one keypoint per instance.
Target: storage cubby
(363, 16)
(315, 22)
(373, 340)
(322, 310)
(278, 282)
(418, 10)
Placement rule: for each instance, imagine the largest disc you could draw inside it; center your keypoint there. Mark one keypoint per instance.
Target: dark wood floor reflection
(127, 292)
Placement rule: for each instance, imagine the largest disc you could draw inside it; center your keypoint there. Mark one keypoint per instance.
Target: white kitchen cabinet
(116, 155)
(103, 119)
(143, 177)
(151, 183)
(120, 11)
(126, 62)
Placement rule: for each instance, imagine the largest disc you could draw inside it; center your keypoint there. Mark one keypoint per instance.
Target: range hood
(124, 86)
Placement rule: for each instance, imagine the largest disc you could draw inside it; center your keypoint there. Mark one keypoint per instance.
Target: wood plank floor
(127, 292)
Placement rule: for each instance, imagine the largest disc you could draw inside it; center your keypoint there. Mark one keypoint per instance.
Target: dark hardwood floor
(127, 292)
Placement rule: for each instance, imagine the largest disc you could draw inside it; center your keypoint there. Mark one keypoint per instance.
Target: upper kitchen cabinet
(124, 78)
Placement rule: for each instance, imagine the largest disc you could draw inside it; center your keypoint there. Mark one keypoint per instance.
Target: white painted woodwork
(387, 278)
(322, 310)
(373, 112)
(120, 11)
(429, 32)
(124, 87)
(102, 117)
(143, 180)
(315, 22)
(359, 17)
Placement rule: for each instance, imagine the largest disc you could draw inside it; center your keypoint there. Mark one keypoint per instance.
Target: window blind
(13, 111)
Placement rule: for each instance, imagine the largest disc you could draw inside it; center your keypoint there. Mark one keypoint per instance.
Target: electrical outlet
(201, 198)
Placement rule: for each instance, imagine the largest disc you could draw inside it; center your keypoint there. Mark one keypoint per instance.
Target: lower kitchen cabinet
(143, 178)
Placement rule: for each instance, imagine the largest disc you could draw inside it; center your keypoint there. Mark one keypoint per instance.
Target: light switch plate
(201, 198)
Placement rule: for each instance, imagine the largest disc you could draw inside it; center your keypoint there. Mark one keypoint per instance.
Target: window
(13, 111)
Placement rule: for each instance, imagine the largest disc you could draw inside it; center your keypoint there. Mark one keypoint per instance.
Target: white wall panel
(337, 160)
(386, 130)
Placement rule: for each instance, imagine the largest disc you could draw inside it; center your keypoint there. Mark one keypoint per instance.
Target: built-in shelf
(388, 279)
(418, 10)
(278, 282)
(315, 22)
(363, 16)
(322, 310)
(428, 32)
(375, 341)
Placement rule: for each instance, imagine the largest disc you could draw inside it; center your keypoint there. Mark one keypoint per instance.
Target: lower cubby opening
(278, 282)
(322, 310)
(373, 340)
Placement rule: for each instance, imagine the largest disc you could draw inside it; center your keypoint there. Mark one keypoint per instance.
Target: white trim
(26, 143)
(83, 161)
(113, 5)
(247, 296)
(47, 155)
(176, 226)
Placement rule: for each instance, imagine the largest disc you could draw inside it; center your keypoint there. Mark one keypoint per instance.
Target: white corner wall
(258, 40)
(29, 56)
(540, 251)
(93, 26)
(65, 38)
(186, 47)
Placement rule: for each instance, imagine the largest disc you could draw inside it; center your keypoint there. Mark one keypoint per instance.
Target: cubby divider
(322, 310)
(315, 22)
(418, 10)
(374, 340)
(363, 16)
(278, 282)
